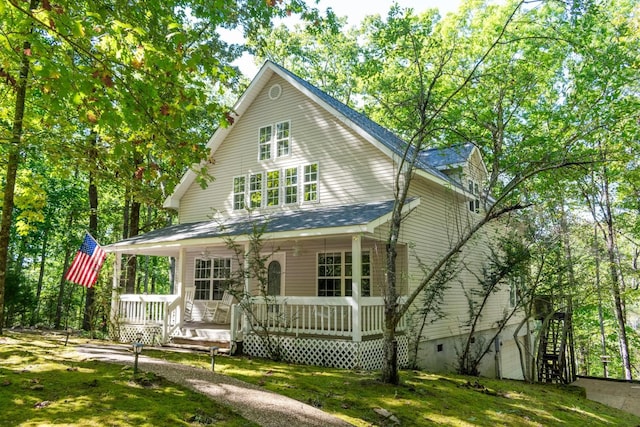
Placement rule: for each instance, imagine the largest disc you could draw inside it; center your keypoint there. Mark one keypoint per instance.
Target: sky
(355, 11)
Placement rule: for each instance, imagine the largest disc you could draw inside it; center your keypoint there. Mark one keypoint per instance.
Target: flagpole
(69, 298)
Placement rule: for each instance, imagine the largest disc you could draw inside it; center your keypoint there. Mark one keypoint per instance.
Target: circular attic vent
(275, 91)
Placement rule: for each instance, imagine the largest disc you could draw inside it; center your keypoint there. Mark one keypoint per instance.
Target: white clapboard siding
(351, 170)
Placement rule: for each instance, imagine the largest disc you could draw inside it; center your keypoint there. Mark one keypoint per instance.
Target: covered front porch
(157, 317)
(319, 331)
(321, 303)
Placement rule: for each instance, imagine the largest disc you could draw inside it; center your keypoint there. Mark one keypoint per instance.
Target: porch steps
(203, 336)
(199, 345)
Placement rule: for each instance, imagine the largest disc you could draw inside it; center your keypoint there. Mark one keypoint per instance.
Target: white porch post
(356, 279)
(180, 287)
(115, 296)
(245, 319)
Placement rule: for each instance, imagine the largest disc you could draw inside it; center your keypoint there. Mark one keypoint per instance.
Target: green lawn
(41, 384)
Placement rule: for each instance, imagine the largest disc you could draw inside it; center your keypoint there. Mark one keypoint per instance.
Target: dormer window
(274, 141)
(474, 191)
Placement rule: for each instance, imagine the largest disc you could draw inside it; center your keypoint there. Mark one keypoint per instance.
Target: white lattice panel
(129, 333)
(343, 354)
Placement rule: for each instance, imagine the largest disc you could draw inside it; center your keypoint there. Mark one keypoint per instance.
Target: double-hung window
(276, 187)
(330, 274)
(265, 140)
(310, 187)
(291, 186)
(283, 143)
(273, 188)
(211, 278)
(335, 274)
(274, 141)
(238, 192)
(474, 191)
(255, 190)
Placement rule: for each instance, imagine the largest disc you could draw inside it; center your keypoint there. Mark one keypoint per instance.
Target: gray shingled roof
(444, 157)
(282, 221)
(383, 135)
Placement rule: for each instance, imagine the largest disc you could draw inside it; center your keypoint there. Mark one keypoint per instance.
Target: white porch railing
(321, 316)
(149, 310)
(330, 316)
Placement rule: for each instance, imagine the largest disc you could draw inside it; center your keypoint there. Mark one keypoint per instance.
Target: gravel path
(255, 404)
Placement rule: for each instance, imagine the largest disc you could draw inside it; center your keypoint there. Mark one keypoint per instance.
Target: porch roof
(321, 221)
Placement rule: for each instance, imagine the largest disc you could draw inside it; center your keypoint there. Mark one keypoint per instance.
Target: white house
(319, 177)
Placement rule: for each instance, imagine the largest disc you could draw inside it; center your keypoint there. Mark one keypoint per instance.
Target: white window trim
(284, 186)
(268, 144)
(273, 142)
(260, 191)
(304, 183)
(473, 188)
(278, 188)
(276, 140)
(343, 268)
(211, 279)
(233, 193)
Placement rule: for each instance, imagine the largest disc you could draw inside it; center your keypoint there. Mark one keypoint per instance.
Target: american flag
(86, 264)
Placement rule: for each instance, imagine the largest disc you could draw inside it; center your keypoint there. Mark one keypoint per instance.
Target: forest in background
(104, 106)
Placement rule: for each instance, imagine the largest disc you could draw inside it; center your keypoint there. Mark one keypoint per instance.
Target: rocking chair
(217, 308)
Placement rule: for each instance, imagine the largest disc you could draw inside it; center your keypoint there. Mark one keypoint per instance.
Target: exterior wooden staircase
(556, 362)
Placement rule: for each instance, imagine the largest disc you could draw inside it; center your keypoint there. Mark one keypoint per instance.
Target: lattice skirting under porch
(367, 355)
(149, 334)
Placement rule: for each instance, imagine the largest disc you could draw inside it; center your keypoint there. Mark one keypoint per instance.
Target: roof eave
(223, 240)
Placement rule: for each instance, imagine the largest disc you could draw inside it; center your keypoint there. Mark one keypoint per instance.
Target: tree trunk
(132, 262)
(603, 337)
(87, 321)
(61, 289)
(13, 161)
(35, 317)
(389, 372)
(618, 302)
(567, 327)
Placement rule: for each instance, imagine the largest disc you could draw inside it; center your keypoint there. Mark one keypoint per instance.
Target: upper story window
(311, 183)
(255, 190)
(265, 143)
(283, 143)
(474, 191)
(238, 192)
(274, 141)
(273, 188)
(276, 187)
(290, 186)
(513, 294)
